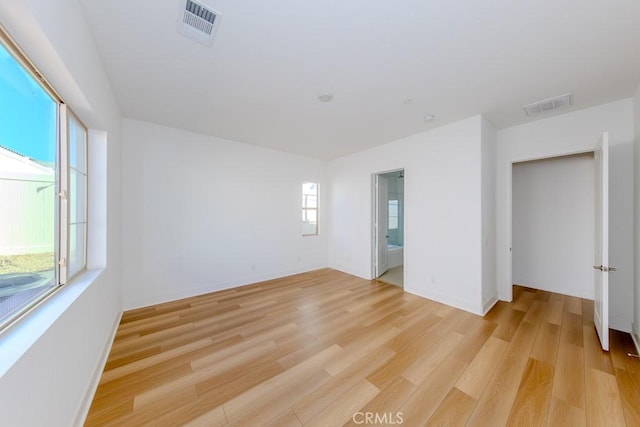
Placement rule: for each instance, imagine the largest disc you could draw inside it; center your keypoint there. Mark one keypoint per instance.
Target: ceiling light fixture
(325, 97)
(429, 118)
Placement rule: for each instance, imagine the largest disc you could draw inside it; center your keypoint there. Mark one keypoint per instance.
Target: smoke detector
(325, 97)
(539, 107)
(199, 22)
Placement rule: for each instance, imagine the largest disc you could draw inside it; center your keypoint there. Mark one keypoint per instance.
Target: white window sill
(18, 338)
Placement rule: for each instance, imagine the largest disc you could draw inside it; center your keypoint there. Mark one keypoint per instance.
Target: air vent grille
(199, 17)
(199, 22)
(555, 103)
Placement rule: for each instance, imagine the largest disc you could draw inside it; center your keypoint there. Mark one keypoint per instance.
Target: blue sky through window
(27, 112)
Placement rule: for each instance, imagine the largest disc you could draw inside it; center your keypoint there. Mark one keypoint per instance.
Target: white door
(381, 226)
(601, 235)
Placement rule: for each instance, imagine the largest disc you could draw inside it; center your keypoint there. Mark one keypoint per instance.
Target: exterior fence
(27, 213)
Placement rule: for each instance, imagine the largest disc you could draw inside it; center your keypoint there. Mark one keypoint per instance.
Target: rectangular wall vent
(555, 103)
(199, 22)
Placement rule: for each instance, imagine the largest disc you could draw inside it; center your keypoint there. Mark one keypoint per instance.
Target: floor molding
(489, 305)
(95, 380)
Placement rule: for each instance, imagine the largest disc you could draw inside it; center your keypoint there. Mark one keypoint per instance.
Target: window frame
(61, 230)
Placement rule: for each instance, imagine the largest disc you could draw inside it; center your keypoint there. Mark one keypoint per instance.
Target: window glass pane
(393, 215)
(28, 135)
(309, 208)
(77, 233)
(309, 194)
(310, 188)
(77, 145)
(393, 223)
(309, 201)
(309, 229)
(77, 196)
(310, 215)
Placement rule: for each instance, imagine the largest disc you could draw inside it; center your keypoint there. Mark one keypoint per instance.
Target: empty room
(219, 213)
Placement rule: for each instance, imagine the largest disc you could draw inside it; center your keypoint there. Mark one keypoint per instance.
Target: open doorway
(599, 265)
(388, 227)
(552, 224)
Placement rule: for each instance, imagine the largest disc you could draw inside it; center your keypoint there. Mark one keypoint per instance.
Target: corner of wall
(635, 332)
(488, 144)
(245, 245)
(635, 335)
(488, 305)
(474, 307)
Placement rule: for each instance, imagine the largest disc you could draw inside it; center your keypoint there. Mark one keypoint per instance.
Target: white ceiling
(259, 81)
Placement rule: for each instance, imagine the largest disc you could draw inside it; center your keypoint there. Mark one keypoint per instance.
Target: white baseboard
(487, 306)
(97, 374)
(446, 299)
(160, 298)
(346, 269)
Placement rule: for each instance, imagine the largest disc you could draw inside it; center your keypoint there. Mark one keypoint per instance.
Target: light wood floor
(317, 348)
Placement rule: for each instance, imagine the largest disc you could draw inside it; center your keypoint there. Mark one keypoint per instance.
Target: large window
(43, 184)
(309, 209)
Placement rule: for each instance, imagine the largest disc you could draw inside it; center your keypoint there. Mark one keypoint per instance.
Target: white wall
(552, 228)
(489, 285)
(442, 189)
(636, 299)
(204, 214)
(573, 133)
(50, 362)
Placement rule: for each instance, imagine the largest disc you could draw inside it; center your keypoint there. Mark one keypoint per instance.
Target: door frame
(507, 290)
(374, 215)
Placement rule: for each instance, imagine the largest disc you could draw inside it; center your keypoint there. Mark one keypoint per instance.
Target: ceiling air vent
(199, 22)
(561, 101)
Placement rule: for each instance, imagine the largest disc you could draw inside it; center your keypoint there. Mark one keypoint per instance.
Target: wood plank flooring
(322, 347)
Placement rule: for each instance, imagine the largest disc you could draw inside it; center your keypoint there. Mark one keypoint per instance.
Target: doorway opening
(552, 224)
(598, 235)
(388, 227)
